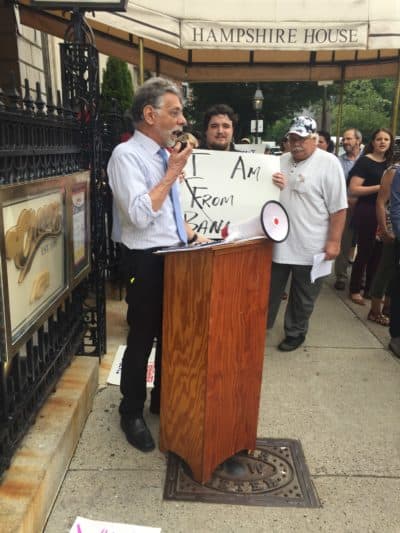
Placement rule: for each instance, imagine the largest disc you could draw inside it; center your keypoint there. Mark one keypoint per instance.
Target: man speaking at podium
(316, 201)
(147, 215)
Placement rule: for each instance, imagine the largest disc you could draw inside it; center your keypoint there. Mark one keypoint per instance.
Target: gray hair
(357, 133)
(151, 93)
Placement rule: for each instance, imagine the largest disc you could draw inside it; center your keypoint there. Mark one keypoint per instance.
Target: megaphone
(273, 222)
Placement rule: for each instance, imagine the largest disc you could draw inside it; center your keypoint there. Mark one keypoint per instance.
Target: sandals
(357, 299)
(379, 319)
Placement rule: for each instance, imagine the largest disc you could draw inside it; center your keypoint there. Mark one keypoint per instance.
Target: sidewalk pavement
(339, 394)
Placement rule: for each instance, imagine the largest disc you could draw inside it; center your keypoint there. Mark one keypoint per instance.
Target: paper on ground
(320, 267)
(85, 525)
(114, 377)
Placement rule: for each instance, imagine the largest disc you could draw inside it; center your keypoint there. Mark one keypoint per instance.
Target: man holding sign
(219, 126)
(316, 201)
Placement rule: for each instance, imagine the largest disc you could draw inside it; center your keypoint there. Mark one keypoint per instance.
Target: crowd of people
(368, 244)
(368, 249)
(316, 189)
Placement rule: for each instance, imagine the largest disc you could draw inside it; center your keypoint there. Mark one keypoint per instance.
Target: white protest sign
(114, 377)
(86, 525)
(223, 187)
(251, 148)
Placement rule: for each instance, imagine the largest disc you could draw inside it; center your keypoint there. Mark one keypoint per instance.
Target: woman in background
(365, 178)
(381, 284)
(325, 142)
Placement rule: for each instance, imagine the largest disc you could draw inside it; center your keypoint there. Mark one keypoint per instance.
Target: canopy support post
(340, 109)
(141, 61)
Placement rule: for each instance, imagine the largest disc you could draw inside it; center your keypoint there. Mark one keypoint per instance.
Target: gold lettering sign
(40, 284)
(22, 240)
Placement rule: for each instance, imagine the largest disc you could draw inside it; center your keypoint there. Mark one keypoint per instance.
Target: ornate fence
(37, 140)
(41, 139)
(113, 127)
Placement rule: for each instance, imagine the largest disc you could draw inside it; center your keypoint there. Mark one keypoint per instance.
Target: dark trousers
(144, 272)
(368, 248)
(342, 260)
(395, 297)
(301, 300)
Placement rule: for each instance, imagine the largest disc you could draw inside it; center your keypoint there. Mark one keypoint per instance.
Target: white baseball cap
(303, 126)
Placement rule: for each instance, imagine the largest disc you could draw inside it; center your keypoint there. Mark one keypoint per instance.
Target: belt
(143, 250)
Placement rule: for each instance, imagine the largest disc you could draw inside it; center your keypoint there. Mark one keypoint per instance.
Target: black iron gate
(41, 139)
(37, 140)
(80, 81)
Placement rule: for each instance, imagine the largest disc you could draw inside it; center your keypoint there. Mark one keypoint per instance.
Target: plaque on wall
(34, 269)
(80, 226)
(44, 252)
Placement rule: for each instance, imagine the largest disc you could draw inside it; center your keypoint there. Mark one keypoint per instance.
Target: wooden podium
(214, 328)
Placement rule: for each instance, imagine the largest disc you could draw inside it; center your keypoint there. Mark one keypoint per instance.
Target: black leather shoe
(137, 433)
(291, 343)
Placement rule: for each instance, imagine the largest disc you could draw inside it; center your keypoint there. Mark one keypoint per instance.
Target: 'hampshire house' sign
(274, 36)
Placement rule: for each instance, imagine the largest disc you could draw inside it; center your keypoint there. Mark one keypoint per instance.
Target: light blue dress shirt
(134, 169)
(347, 164)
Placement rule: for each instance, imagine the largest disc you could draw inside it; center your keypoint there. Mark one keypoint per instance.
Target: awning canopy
(251, 40)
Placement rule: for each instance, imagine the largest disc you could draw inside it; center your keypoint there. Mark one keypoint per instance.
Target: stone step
(30, 486)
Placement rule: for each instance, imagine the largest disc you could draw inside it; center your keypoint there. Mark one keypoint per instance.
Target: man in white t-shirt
(316, 201)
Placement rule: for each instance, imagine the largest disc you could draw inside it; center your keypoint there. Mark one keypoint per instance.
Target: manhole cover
(274, 474)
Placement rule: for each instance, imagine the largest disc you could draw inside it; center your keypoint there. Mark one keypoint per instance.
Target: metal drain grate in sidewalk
(274, 474)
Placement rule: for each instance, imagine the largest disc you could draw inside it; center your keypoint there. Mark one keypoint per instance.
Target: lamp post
(258, 100)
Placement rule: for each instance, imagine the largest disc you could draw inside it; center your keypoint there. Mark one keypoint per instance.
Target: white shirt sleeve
(130, 187)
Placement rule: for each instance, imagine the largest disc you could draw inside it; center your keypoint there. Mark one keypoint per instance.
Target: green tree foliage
(281, 100)
(364, 95)
(367, 105)
(117, 84)
(278, 129)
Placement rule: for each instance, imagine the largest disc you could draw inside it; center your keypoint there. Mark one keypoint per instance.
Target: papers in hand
(211, 244)
(189, 247)
(320, 267)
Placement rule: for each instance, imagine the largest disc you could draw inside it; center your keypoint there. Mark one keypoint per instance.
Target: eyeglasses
(174, 113)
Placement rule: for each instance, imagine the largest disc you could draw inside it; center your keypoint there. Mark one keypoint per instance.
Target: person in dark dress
(365, 178)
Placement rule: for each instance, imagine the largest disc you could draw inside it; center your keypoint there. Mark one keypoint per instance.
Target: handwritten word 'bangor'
(205, 225)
